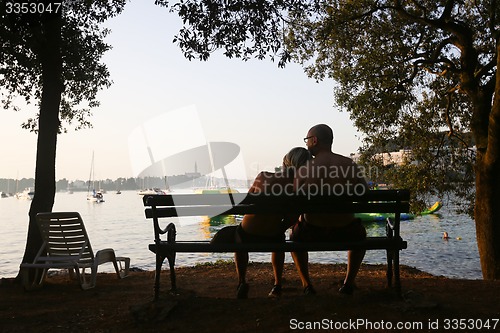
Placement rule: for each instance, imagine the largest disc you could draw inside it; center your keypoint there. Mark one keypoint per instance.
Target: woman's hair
(295, 158)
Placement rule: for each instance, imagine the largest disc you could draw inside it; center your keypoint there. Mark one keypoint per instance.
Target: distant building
(194, 174)
(392, 158)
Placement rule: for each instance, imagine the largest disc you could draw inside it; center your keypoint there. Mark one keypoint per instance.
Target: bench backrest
(374, 201)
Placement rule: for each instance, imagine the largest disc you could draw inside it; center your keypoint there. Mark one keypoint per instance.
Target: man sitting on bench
(328, 174)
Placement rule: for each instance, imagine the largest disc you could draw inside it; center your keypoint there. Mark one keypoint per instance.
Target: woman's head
(296, 158)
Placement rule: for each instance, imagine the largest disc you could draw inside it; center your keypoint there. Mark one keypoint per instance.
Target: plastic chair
(66, 245)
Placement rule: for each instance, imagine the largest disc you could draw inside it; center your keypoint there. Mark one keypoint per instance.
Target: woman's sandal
(275, 292)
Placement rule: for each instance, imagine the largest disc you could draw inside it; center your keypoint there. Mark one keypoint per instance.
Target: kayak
(434, 208)
(380, 217)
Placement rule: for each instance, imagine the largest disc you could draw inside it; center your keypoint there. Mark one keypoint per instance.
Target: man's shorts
(304, 232)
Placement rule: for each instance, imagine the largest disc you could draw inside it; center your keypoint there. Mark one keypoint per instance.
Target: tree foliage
(416, 75)
(243, 29)
(83, 74)
(409, 73)
(404, 71)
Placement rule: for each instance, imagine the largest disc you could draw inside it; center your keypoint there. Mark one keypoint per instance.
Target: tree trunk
(49, 53)
(487, 208)
(487, 217)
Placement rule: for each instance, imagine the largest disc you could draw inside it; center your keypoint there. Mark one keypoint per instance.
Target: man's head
(319, 137)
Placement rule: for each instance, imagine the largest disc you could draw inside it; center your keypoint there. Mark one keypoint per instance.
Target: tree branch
(445, 16)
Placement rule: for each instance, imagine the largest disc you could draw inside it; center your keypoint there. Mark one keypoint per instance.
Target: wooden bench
(165, 206)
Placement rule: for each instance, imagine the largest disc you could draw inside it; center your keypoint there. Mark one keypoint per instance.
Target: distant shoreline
(9, 185)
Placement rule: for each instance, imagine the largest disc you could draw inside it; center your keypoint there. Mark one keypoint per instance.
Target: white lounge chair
(66, 245)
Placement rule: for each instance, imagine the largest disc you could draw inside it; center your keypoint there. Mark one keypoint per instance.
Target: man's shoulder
(331, 159)
(343, 159)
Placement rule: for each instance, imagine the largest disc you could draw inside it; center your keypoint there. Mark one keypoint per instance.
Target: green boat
(379, 217)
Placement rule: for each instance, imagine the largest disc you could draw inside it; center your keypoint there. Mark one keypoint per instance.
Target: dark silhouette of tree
(51, 56)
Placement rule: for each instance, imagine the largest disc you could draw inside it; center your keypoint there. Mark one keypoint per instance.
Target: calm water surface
(119, 223)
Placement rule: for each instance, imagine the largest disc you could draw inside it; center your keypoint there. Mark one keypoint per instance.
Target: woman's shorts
(236, 234)
(304, 232)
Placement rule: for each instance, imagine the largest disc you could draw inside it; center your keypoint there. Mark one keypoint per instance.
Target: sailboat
(27, 194)
(155, 190)
(211, 187)
(95, 196)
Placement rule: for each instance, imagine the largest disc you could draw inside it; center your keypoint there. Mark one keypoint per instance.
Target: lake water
(119, 223)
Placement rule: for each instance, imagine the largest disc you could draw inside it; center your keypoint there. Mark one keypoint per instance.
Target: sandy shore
(206, 303)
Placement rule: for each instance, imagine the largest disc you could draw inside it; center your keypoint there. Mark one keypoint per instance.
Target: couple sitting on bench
(326, 173)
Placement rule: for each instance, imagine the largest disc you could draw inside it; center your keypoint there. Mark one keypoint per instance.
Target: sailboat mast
(211, 179)
(91, 176)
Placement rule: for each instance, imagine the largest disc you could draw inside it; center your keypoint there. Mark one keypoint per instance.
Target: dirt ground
(206, 303)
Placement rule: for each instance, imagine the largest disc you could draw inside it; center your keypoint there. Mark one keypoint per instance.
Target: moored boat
(96, 196)
(218, 190)
(152, 191)
(27, 194)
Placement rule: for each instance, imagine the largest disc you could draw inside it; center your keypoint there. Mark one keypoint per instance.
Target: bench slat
(335, 207)
(247, 198)
(373, 243)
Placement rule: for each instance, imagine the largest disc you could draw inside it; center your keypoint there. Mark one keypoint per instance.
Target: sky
(263, 109)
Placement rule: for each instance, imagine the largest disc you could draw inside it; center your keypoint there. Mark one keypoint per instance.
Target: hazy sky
(263, 109)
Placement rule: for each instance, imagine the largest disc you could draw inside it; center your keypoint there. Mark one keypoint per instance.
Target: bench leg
(397, 280)
(159, 263)
(389, 231)
(389, 273)
(171, 234)
(171, 263)
(393, 270)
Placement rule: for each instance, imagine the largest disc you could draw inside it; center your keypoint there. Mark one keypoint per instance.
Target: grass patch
(219, 262)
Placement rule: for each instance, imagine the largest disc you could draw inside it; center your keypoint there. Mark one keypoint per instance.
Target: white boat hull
(96, 197)
(27, 194)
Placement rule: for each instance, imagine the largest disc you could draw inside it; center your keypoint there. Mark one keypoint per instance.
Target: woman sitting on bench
(265, 228)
